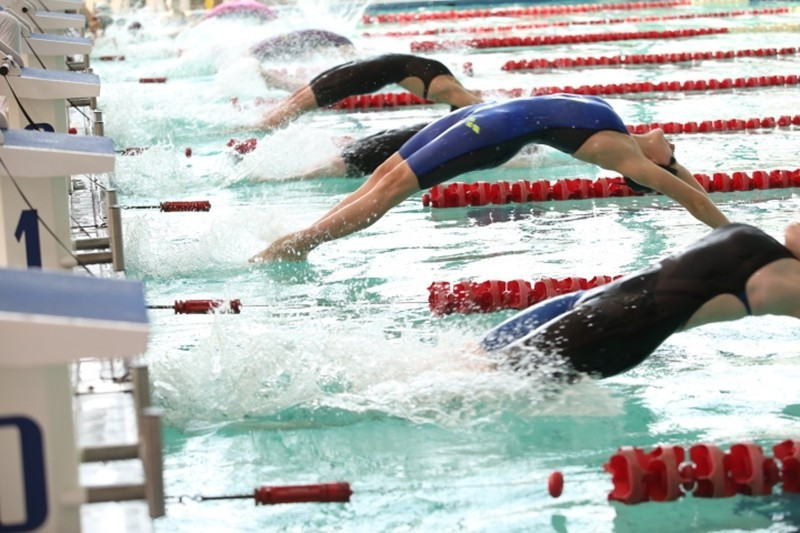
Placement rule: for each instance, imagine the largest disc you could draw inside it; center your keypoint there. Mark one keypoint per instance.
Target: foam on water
(162, 170)
(276, 156)
(171, 245)
(261, 369)
(200, 50)
(335, 368)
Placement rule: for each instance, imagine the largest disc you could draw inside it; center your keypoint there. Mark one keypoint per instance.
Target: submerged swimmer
(360, 157)
(241, 9)
(485, 136)
(298, 43)
(425, 78)
(735, 271)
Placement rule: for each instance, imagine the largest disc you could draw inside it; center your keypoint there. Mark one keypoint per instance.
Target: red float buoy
(555, 484)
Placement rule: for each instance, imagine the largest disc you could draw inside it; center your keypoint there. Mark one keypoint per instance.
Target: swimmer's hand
(284, 249)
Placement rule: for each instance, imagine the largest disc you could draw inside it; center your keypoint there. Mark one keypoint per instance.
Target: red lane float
(539, 11)
(153, 80)
(664, 474)
(111, 58)
(203, 307)
(489, 296)
(319, 493)
(555, 484)
(642, 59)
(243, 147)
(548, 40)
(480, 193)
(381, 100)
(593, 22)
(788, 453)
(133, 150)
(176, 206)
(186, 205)
(719, 125)
(712, 84)
(338, 492)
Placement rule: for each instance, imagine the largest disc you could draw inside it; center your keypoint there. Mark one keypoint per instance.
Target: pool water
(336, 370)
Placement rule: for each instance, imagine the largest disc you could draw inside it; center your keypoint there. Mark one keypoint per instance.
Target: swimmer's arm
(279, 80)
(695, 200)
(686, 176)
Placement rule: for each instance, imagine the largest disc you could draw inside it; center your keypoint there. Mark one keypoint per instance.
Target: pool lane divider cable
(337, 492)
(719, 125)
(713, 84)
(234, 307)
(490, 296)
(550, 40)
(176, 206)
(203, 307)
(242, 147)
(533, 11)
(381, 100)
(341, 491)
(665, 474)
(482, 193)
(641, 59)
(593, 22)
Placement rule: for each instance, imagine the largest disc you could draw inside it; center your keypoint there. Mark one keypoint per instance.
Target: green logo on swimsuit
(471, 125)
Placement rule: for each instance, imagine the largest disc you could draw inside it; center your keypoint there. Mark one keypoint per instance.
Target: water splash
(268, 369)
(172, 245)
(276, 156)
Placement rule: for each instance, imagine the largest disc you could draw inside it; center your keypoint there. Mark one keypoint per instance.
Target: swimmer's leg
(359, 210)
(444, 89)
(375, 178)
(528, 319)
(448, 90)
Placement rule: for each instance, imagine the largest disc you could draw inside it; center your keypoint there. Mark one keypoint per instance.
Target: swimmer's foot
(284, 249)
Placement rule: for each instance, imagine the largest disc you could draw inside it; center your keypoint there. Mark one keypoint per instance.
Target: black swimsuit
(369, 75)
(615, 327)
(363, 156)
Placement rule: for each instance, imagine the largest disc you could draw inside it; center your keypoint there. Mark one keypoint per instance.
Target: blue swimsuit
(488, 135)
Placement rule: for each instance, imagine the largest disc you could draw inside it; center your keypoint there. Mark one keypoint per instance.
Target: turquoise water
(336, 370)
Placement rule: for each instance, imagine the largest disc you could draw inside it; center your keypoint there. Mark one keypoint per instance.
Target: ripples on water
(336, 370)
